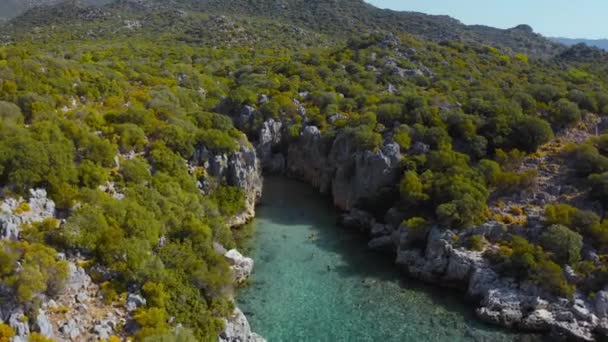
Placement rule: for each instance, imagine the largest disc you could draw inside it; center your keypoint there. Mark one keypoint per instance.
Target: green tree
(565, 244)
(412, 189)
(599, 188)
(529, 133)
(564, 113)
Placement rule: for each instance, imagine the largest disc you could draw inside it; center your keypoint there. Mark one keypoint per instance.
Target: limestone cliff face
(240, 169)
(15, 212)
(502, 301)
(351, 176)
(238, 329)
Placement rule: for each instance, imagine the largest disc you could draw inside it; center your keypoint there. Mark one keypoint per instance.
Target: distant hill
(599, 43)
(12, 8)
(333, 18)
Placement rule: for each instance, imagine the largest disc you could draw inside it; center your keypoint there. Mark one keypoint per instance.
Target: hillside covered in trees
(133, 124)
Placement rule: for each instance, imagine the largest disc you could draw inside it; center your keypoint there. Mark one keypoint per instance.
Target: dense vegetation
(81, 109)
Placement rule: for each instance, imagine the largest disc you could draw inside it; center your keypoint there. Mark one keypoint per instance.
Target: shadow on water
(292, 204)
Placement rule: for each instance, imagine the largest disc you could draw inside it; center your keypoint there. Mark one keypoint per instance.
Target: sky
(553, 18)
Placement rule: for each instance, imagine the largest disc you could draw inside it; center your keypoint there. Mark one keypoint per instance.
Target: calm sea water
(315, 281)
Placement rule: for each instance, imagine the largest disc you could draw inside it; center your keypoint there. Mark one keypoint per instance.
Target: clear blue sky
(564, 18)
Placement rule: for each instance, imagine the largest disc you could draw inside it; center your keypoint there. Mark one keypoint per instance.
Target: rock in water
(241, 266)
(238, 330)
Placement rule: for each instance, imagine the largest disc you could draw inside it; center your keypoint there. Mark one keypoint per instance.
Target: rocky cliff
(335, 167)
(356, 179)
(15, 212)
(79, 311)
(240, 169)
(438, 259)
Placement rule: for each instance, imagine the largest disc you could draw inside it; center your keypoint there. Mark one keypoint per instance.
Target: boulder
(70, 330)
(237, 329)
(502, 306)
(572, 331)
(18, 322)
(135, 301)
(357, 219)
(103, 330)
(82, 297)
(482, 280)
(420, 148)
(379, 229)
(43, 325)
(241, 266)
(78, 278)
(385, 243)
(539, 320)
(601, 304)
(244, 119)
(462, 263)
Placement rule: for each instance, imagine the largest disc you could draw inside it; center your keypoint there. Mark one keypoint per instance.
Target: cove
(315, 281)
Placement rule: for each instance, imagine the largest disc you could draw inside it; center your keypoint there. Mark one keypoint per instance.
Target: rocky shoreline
(355, 178)
(79, 311)
(357, 181)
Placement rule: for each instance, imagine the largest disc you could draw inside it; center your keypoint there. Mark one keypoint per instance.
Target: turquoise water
(315, 281)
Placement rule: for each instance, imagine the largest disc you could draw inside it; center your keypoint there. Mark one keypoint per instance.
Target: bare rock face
(270, 136)
(237, 327)
(352, 176)
(19, 325)
(601, 304)
(240, 169)
(365, 175)
(241, 266)
(43, 325)
(502, 301)
(306, 159)
(238, 330)
(15, 212)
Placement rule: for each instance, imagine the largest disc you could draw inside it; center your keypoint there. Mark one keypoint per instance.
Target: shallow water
(314, 281)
